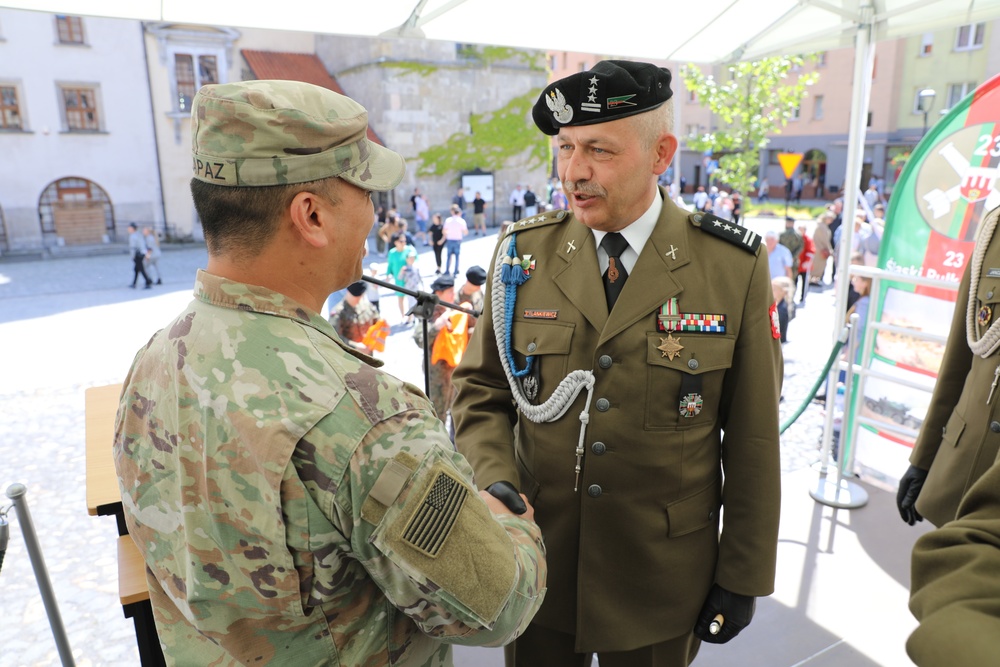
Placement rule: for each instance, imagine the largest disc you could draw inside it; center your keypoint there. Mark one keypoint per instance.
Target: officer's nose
(575, 168)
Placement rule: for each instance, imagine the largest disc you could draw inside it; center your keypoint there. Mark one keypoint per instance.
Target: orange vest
(449, 346)
(374, 338)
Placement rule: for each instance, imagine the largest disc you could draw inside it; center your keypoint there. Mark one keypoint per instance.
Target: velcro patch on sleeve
(431, 523)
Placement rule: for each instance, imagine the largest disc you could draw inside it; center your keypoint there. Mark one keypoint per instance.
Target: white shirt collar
(636, 233)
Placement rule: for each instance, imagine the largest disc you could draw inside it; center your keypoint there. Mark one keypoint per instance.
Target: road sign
(788, 162)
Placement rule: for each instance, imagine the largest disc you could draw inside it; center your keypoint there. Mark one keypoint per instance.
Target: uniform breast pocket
(684, 376)
(549, 343)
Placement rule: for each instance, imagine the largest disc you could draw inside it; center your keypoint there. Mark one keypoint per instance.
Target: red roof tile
(305, 67)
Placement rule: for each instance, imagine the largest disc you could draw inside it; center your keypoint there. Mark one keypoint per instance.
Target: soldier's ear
(311, 217)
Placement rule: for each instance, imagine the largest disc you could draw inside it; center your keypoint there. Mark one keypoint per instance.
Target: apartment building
(75, 132)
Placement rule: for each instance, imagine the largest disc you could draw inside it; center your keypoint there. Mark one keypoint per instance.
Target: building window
(821, 59)
(69, 29)
(189, 80)
(80, 104)
(552, 63)
(869, 119)
(796, 113)
(584, 66)
(957, 92)
(818, 108)
(10, 110)
(970, 36)
(926, 44)
(692, 97)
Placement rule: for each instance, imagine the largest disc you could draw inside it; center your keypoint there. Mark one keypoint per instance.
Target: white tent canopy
(706, 31)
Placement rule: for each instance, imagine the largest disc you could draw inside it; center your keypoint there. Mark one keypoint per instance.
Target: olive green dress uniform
(961, 436)
(955, 590)
(635, 551)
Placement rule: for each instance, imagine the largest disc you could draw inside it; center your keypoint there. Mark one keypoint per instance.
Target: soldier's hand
(723, 615)
(508, 495)
(497, 507)
(906, 498)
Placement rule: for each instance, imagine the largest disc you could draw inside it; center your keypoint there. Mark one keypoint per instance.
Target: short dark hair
(242, 220)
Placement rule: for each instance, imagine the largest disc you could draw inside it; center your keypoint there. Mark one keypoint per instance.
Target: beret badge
(557, 104)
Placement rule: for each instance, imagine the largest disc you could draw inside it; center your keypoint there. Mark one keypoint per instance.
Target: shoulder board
(729, 231)
(547, 218)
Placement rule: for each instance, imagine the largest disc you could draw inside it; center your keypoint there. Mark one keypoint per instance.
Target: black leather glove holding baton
(508, 495)
(723, 615)
(909, 489)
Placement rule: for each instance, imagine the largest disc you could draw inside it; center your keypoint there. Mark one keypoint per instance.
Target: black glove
(736, 611)
(508, 495)
(909, 489)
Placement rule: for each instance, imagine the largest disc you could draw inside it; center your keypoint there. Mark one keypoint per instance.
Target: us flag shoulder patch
(432, 521)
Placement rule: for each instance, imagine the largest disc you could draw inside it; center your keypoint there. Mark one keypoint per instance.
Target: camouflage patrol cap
(256, 133)
(612, 89)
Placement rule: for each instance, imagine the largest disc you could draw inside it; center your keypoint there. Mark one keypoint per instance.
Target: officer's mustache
(585, 188)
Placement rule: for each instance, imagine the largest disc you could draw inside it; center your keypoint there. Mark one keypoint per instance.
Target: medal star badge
(691, 405)
(670, 347)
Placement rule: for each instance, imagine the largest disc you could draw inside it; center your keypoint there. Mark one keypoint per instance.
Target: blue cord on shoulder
(512, 275)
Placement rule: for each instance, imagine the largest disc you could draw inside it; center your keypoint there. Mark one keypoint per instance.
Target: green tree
(755, 99)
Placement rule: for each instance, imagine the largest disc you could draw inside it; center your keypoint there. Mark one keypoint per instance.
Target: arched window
(76, 211)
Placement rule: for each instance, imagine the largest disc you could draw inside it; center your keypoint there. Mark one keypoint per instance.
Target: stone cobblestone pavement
(72, 323)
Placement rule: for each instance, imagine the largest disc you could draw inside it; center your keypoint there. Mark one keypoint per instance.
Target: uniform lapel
(580, 277)
(652, 282)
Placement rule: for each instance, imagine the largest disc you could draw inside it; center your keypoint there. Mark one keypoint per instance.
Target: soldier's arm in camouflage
(415, 521)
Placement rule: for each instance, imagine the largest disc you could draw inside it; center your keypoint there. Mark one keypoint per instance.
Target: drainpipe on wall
(156, 140)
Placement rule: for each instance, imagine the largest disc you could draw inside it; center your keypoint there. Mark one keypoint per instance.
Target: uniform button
(532, 347)
(697, 217)
(693, 364)
(594, 490)
(995, 427)
(603, 404)
(598, 448)
(605, 361)
(989, 295)
(560, 215)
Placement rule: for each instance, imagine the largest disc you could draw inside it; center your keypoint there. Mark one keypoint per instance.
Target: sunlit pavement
(71, 323)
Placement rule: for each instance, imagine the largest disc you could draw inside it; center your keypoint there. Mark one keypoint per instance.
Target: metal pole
(841, 492)
(16, 493)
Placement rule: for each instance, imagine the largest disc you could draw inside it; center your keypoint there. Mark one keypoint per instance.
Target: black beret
(358, 288)
(476, 275)
(613, 89)
(442, 282)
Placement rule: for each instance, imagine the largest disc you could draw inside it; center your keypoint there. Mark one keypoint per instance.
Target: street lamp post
(925, 100)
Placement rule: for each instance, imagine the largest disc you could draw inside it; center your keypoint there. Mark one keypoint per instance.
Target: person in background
(780, 262)
(455, 230)
(479, 215)
(792, 240)
(421, 215)
(137, 247)
(371, 289)
(805, 263)
(354, 316)
(395, 265)
(517, 202)
(413, 281)
(459, 200)
(272, 478)
(471, 292)
(437, 240)
(530, 203)
(638, 566)
(153, 252)
(823, 243)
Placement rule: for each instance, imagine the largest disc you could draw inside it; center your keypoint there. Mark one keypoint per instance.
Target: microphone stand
(423, 310)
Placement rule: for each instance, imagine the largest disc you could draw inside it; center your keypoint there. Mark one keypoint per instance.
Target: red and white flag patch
(775, 325)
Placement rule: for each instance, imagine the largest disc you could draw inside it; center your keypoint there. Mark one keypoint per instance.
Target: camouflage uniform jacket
(296, 505)
(792, 240)
(353, 322)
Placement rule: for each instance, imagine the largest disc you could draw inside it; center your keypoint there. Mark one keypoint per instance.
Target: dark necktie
(614, 278)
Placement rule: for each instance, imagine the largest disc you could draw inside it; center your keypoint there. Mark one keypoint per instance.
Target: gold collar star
(670, 347)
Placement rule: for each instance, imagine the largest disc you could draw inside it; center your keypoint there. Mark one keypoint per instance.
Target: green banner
(945, 188)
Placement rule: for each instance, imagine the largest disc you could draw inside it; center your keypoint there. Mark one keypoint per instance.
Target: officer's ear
(664, 148)
(312, 214)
